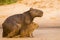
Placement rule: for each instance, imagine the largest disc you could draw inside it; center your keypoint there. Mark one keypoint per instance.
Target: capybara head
(36, 12)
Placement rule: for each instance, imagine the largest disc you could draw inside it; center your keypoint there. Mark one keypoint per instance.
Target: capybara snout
(40, 14)
(36, 12)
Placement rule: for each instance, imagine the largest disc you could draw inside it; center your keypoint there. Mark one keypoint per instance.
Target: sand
(44, 34)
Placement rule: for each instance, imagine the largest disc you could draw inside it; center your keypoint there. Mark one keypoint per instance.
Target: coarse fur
(14, 24)
(28, 31)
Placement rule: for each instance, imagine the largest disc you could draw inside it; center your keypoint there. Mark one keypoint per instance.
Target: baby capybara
(28, 31)
(13, 24)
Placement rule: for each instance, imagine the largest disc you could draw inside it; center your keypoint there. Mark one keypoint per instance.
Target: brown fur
(27, 32)
(16, 23)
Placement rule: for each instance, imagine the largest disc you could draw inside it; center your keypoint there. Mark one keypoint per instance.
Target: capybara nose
(41, 13)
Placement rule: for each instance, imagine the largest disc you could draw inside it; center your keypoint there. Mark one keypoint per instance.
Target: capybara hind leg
(13, 33)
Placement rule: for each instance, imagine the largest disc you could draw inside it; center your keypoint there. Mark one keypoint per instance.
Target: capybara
(28, 31)
(13, 24)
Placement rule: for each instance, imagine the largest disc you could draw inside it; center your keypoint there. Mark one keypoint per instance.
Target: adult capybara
(13, 24)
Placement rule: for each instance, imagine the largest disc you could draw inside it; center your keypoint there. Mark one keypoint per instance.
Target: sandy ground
(44, 33)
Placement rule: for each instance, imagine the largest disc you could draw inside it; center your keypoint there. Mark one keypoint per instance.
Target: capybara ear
(31, 8)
